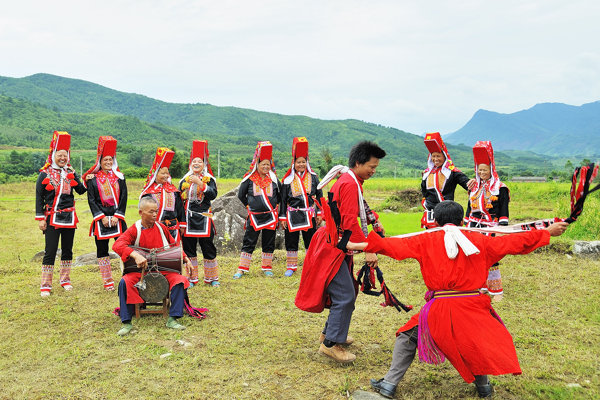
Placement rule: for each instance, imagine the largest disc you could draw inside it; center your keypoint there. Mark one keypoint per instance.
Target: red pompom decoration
(70, 175)
(49, 187)
(74, 183)
(46, 181)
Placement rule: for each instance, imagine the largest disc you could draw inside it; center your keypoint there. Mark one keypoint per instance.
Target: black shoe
(485, 390)
(384, 388)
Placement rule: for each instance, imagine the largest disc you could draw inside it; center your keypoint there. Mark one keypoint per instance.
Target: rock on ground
(587, 249)
(229, 216)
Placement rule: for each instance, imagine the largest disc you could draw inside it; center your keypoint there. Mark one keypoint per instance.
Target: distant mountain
(31, 107)
(554, 129)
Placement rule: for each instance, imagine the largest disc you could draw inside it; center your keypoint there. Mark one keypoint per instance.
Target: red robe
(323, 260)
(463, 328)
(150, 239)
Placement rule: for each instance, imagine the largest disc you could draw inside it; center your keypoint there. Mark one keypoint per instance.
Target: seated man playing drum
(149, 234)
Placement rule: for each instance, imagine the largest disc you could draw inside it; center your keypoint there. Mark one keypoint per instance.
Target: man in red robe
(458, 321)
(149, 234)
(327, 276)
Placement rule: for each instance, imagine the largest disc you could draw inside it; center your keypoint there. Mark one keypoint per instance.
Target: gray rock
(40, 255)
(587, 249)
(91, 259)
(363, 395)
(85, 259)
(229, 216)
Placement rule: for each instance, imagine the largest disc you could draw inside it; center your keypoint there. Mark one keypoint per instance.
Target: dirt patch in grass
(402, 201)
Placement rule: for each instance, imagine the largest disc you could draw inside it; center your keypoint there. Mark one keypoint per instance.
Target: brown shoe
(348, 342)
(338, 353)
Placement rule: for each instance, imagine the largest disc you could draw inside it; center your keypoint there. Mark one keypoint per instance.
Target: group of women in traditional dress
(292, 204)
(488, 197)
(184, 209)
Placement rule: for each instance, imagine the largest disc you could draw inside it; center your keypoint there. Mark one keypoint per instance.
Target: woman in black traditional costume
(260, 193)
(107, 197)
(55, 210)
(440, 178)
(198, 188)
(299, 200)
(488, 204)
(159, 186)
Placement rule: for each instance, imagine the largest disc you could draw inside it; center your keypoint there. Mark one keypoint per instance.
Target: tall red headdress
(263, 151)
(483, 153)
(107, 146)
(299, 149)
(435, 144)
(162, 158)
(60, 141)
(200, 149)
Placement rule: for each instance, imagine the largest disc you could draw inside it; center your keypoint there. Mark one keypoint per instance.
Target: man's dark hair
(448, 212)
(362, 152)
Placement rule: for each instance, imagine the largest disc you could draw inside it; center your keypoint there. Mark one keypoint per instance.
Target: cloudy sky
(417, 66)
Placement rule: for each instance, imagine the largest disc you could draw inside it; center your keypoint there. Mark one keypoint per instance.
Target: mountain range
(552, 129)
(32, 107)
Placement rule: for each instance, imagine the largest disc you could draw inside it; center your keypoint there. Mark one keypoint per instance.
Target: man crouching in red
(458, 321)
(147, 233)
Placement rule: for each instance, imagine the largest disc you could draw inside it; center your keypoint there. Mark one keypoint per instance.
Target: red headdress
(435, 144)
(60, 141)
(163, 158)
(107, 146)
(199, 150)
(483, 153)
(264, 151)
(299, 149)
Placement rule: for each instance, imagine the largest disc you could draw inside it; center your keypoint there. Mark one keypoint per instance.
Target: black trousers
(207, 245)
(251, 238)
(293, 238)
(52, 236)
(102, 247)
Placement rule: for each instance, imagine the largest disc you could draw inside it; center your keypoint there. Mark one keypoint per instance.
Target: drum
(169, 259)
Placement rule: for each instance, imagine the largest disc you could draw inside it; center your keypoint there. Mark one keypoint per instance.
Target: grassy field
(257, 344)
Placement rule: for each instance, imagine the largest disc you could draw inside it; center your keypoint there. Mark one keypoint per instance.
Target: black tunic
(100, 210)
(262, 209)
(196, 219)
(449, 186)
(294, 205)
(62, 214)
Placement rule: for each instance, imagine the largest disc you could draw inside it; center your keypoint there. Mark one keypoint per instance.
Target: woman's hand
(318, 220)
(42, 225)
(471, 184)
(283, 224)
(89, 176)
(105, 221)
(195, 179)
(114, 221)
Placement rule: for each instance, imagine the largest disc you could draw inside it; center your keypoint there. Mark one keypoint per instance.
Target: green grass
(256, 343)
